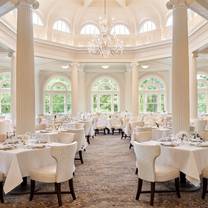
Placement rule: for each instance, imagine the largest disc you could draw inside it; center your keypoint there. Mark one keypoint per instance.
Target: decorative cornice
(172, 4)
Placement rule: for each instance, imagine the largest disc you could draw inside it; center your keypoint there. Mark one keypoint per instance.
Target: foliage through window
(105, 95)
(202, 83)
(5, 93)
(57, 96)
(61, 26)
(89, 29)
(151, 95)
(120, 29)
(147, 26)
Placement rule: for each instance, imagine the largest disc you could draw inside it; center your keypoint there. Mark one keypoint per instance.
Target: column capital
(134, 65)
(195, 54)
(172, 4)
(33, 3)
(75, 65)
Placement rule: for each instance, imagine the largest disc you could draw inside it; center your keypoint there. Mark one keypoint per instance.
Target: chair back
(146, 155)
(64, 156)
(142, 136)
(65, 138)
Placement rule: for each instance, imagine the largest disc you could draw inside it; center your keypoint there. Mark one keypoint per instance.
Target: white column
(193, 85)
(134, 89)
(25, 78)
(82, 91)
(128, 90)
(180, 67)
(75, 91)
(13, 89)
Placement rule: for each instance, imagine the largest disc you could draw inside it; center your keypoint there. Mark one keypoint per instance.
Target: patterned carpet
(107, 179)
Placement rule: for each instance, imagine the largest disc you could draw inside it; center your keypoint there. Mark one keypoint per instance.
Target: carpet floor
(107, 179)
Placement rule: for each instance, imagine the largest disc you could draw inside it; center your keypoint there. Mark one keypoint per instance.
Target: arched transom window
(120, 29)
(61, 26)
(152, 95)
(202, 82)
(57, 95)
(5, 93)
(89, 29)
(147, 26)
(37, 20)
(105, 95)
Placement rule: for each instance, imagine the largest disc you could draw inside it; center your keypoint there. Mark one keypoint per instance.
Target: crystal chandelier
(105, 43)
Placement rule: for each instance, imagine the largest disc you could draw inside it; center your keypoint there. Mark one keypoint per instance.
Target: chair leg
(71, 187)
(122, 134)
(1, 192)
(139, 189)
(80, 156)
(113, 130)
(58, 192)
(136, 172)
(152, 193)
(32, 189)
(130, 146)
(177, 187)
(88, 139)
(204, 189)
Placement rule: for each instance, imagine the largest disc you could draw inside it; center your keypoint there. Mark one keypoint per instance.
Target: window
(169, 22)
(120, 29)
(105, 95)
(5, 93)
(89, 29)
(61, 26)
(152, 95)
(57, 95)
(147, 26)
(202, 83)
(37, 20)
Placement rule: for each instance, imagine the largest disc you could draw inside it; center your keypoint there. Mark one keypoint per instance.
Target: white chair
(61, 172)
(204, 178)
(200, 125)
(115, 124)
(146, 155)
(1, 188)
(79, 137)
(63, 137)
(87, 128)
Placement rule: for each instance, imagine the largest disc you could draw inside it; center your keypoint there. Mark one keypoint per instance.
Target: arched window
(152, 95)
(169, 22)
(37, 20)
(202, 83)
(90, 29)
(61, 26)
(147, 26)
(105, 95)
(5, 93)
(57, 95)
(120, 29)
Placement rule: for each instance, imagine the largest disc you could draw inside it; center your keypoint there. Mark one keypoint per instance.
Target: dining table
(189, 159)
(16, 163)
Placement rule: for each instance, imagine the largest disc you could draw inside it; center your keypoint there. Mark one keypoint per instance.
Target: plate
(36, 146)
(6, 147)
(168, 144)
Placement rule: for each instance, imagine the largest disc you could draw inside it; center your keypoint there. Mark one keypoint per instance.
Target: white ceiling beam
(6, 6)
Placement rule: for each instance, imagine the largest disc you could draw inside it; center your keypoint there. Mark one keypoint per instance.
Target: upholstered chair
(115, 124)
(87, 128)
(1, 188)
(200, 125)
(63, 137)
(204, 178)
(79, 137)
(149, 171)
(60, 172)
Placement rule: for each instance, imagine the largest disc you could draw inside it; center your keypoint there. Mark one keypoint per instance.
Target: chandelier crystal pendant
(105, 43)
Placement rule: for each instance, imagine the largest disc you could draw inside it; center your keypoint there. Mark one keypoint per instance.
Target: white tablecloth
(17, 163)
(190, 160)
